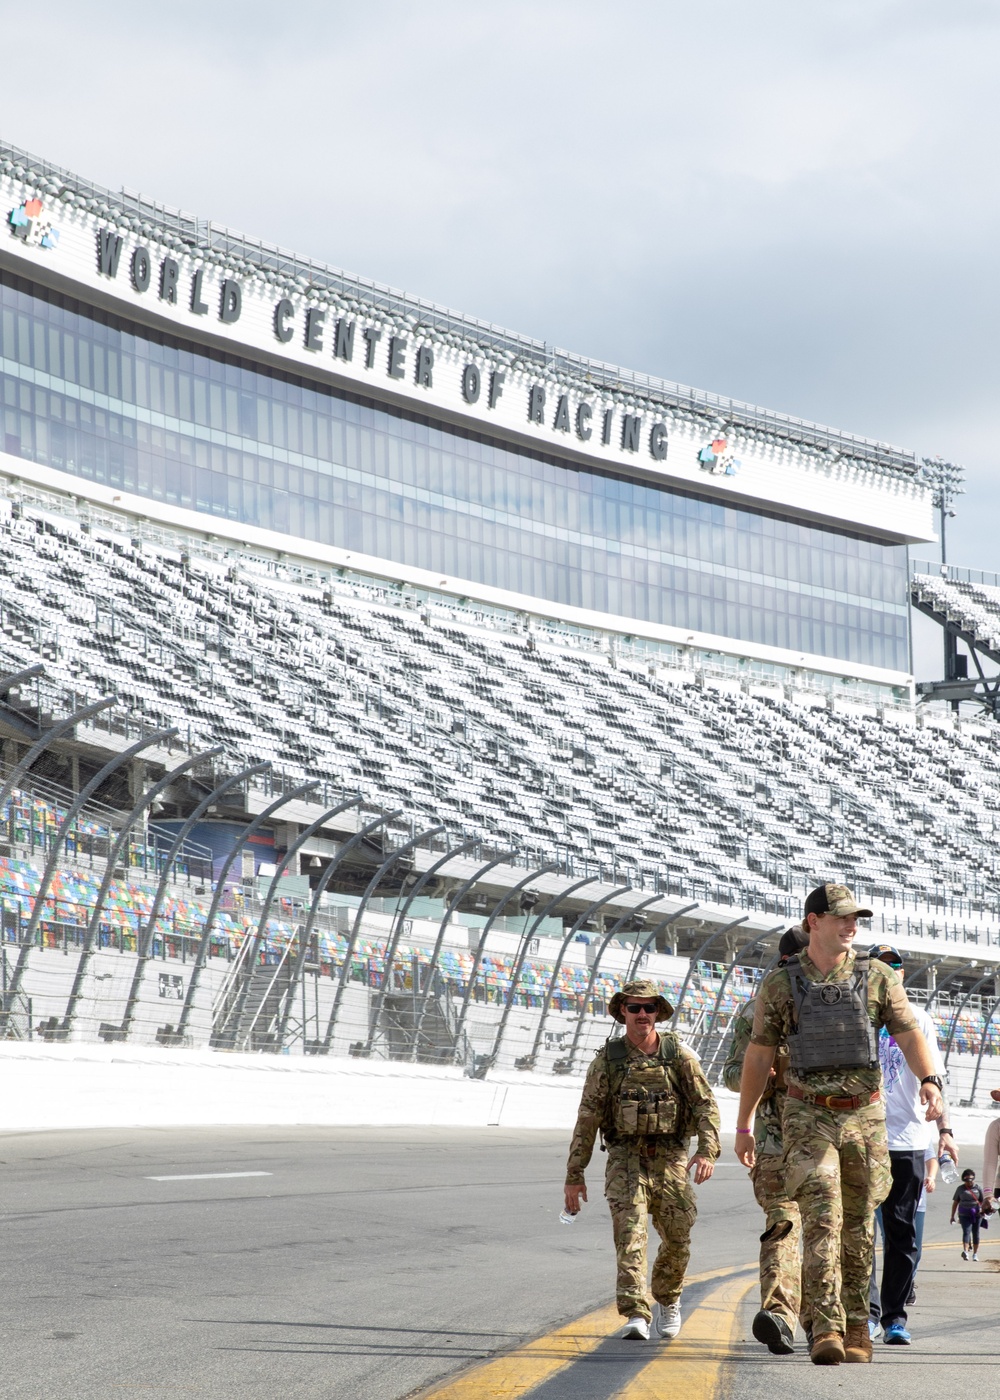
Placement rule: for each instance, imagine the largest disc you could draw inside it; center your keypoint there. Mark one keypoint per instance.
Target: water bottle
(947, 1170)
(565, 1218)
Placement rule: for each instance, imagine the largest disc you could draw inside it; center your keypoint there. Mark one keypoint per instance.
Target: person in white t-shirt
(910, 1137)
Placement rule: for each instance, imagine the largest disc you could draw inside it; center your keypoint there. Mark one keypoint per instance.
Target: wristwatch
(933, 1079)
(945, 1132)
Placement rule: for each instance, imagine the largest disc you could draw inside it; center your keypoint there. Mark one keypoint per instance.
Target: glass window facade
(108, 400)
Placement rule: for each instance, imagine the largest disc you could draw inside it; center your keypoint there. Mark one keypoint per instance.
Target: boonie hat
(834, 899)
(645, 989)
(886, 953)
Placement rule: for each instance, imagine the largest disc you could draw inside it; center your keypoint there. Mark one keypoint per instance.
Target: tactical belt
(845, 1102)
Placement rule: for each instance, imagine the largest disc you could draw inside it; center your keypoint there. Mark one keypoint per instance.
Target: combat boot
(857, 1343)
(827, 1349)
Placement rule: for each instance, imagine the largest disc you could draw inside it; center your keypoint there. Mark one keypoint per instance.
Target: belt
(843, 1102)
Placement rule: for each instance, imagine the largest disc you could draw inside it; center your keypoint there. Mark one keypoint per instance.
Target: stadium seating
(544, 737)
(974, 607)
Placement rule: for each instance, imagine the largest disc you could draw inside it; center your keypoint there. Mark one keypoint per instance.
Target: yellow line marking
(525, 1367)
(691, 1365)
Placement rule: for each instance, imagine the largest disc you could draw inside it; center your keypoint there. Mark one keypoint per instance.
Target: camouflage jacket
(701, 1112)
(887, 1006)
(767, 1122)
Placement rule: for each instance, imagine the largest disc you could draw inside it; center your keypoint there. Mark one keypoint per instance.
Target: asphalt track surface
(375, 1263)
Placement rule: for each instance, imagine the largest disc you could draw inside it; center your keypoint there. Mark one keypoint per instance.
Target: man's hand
(930, 1184)
(746, 1149)
(948, 1148)
(930, 1097)
(575, 1197)
(703, 1168)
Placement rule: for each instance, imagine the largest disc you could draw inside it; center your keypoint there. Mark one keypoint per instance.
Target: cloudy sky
(793, 202)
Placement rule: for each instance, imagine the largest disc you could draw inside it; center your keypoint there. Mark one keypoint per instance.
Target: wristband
(942, 1131)
(745, 1130)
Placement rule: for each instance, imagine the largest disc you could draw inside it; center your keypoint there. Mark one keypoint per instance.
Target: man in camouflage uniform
(646, 1094)
(827, 1005)
(780, 1267)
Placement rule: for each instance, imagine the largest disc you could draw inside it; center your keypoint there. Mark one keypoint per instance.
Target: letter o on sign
(470, 384)
(140, 269)
(658, 441)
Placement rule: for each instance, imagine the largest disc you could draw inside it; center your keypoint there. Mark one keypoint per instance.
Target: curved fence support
(7, 683)
(649, 941)
(970, 1102)
(253, 946)
(121, 844)
(322, 886)
(965, 967)
(370, 889)
(751, 943)
(696, 956)
(522, 954)
(390, 952)
(611, 933)
(575, 928)
(49, 868)
(549, 868)
(144, 942)
(64, 726)
(924, 967)
(987, 977)
(220, 887)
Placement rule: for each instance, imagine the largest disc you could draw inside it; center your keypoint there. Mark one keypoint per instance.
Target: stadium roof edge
(279, 264)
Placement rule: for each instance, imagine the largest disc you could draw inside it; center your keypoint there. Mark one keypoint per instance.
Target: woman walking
(968, 1202)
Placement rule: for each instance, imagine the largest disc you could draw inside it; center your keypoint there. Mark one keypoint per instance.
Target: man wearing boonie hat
(647, 1096)
(828, 1004)
(780, 1265)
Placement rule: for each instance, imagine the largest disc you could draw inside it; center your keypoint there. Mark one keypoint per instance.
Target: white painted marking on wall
(205, 1176)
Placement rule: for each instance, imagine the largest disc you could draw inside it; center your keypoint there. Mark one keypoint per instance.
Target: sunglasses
(634, 1007)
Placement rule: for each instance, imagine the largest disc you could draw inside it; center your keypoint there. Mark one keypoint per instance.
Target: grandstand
(263, 790)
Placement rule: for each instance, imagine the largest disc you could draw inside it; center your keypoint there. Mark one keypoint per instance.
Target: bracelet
(942, 1131)
(745, 1130)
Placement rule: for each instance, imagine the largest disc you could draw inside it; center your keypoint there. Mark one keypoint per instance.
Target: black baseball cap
(834, 899)
(886, 953)
(792, 941)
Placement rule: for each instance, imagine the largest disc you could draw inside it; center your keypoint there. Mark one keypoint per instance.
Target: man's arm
(739, 1039)
(593, 1102)
(918, 1057)
(757, 1063)
(705, 1112)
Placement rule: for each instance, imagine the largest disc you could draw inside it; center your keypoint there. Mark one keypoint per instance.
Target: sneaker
(912, 1298)
(975, 1259)
(874, 1329)
(668, 1322)
(965, 1254)
(773, 1332)
(636, 1329)
(896, 1335)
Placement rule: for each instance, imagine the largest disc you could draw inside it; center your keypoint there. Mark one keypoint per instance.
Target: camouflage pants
(837, 1169)
(659, 1187)
(780, 1267)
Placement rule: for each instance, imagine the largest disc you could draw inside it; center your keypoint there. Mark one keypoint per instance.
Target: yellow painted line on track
(517, 1372)
(691, 1366)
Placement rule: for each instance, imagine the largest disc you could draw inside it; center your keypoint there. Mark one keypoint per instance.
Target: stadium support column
(321, 889)
(924, 969)
(64, 726)
(692, 964)
(575, 927)
(117, 849)
(370, 888)
(145, 940)
(522, 954)
(549, 868)
(204, 945)
(965, 967)
(986, 977)
(970, 1102)
(611, 933)
(225, 1035)
(649, 941)
(393, 944)
(101, 776)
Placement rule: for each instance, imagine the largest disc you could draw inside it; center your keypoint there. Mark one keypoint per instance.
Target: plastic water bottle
(947, 1169)
(565, 1218)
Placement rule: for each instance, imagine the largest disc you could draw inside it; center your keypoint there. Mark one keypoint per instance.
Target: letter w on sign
(109, 250)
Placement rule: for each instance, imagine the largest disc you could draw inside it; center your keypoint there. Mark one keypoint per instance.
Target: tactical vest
(643, 1098)
(832, 1028)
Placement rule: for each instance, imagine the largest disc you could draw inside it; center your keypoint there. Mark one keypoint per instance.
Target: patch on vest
(831, 995)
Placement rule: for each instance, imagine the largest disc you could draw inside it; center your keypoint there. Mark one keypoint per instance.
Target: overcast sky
(793, 202)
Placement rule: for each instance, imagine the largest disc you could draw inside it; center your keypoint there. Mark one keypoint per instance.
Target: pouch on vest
(644, 1100)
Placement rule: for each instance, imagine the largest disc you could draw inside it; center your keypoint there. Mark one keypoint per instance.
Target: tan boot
(827, 1349)
(858, 1343)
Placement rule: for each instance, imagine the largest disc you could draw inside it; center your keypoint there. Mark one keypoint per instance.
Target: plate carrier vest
(643, 1098)
(832, 1028)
